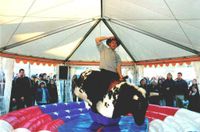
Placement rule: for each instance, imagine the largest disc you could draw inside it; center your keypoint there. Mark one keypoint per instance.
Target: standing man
(181, 90)
(110, 61)
(22, 92)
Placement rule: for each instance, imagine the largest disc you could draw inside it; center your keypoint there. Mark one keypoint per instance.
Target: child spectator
(42, 94)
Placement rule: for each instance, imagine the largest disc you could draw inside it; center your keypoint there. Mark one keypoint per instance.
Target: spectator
(143, 84)
(42, 94)
(22, 92)
(154, 93)
(168, 90)
(160, 87)
(48, 78)
(54, 78)
(44, 78)
(194, 97)
(39, 79)
(181, 90)
(34, 83)
(152, 79)
(74, 79)
(40, 76)
(53, 93)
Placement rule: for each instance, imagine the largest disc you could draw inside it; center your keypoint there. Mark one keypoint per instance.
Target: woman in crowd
(154, 93)
(52, 88)
(161, 92)
(143, 84)
(168, 90)
(194, 97)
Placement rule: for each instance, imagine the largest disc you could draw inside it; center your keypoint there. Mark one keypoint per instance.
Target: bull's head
(79, 86)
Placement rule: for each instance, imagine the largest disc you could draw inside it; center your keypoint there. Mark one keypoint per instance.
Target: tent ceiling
(88, 49)
(136, 9)
(143, 47)
(149, 30)
(56, 46)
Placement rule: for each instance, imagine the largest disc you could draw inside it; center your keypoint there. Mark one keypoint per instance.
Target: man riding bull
(104, 90)
(110, 61)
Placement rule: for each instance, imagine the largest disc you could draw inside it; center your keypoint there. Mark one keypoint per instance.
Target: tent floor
(84, 123)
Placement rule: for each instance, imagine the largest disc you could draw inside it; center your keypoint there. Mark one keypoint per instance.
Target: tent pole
(128, 26)
(122, 44)
(101, 8)
(83, 39)
(23, 42)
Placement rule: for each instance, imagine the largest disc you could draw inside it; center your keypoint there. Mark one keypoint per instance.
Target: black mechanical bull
(122, 99)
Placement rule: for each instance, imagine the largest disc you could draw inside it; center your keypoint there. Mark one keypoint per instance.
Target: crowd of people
(172, 92)
(42, 89)
(39, 89)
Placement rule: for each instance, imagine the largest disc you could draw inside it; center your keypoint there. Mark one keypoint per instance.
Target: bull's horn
(142, 91)
(135, 97)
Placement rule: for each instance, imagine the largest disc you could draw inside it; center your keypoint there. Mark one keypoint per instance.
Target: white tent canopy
(66, 29)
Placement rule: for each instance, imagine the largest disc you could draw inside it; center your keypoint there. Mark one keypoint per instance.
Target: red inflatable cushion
(52, 126)
(35, 123)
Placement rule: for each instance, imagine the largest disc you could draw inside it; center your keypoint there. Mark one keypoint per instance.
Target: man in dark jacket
(181, 90)
(168, 89)
(22, 92)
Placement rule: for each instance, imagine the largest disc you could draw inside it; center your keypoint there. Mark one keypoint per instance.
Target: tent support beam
(122, 44)
(83, 39)
(101, 8)
(128, 26)
(23, 42)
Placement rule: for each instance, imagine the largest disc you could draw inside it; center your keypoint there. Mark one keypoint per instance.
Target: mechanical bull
(122, 99)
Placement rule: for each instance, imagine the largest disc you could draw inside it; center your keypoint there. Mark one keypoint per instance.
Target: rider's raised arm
(102, 38)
